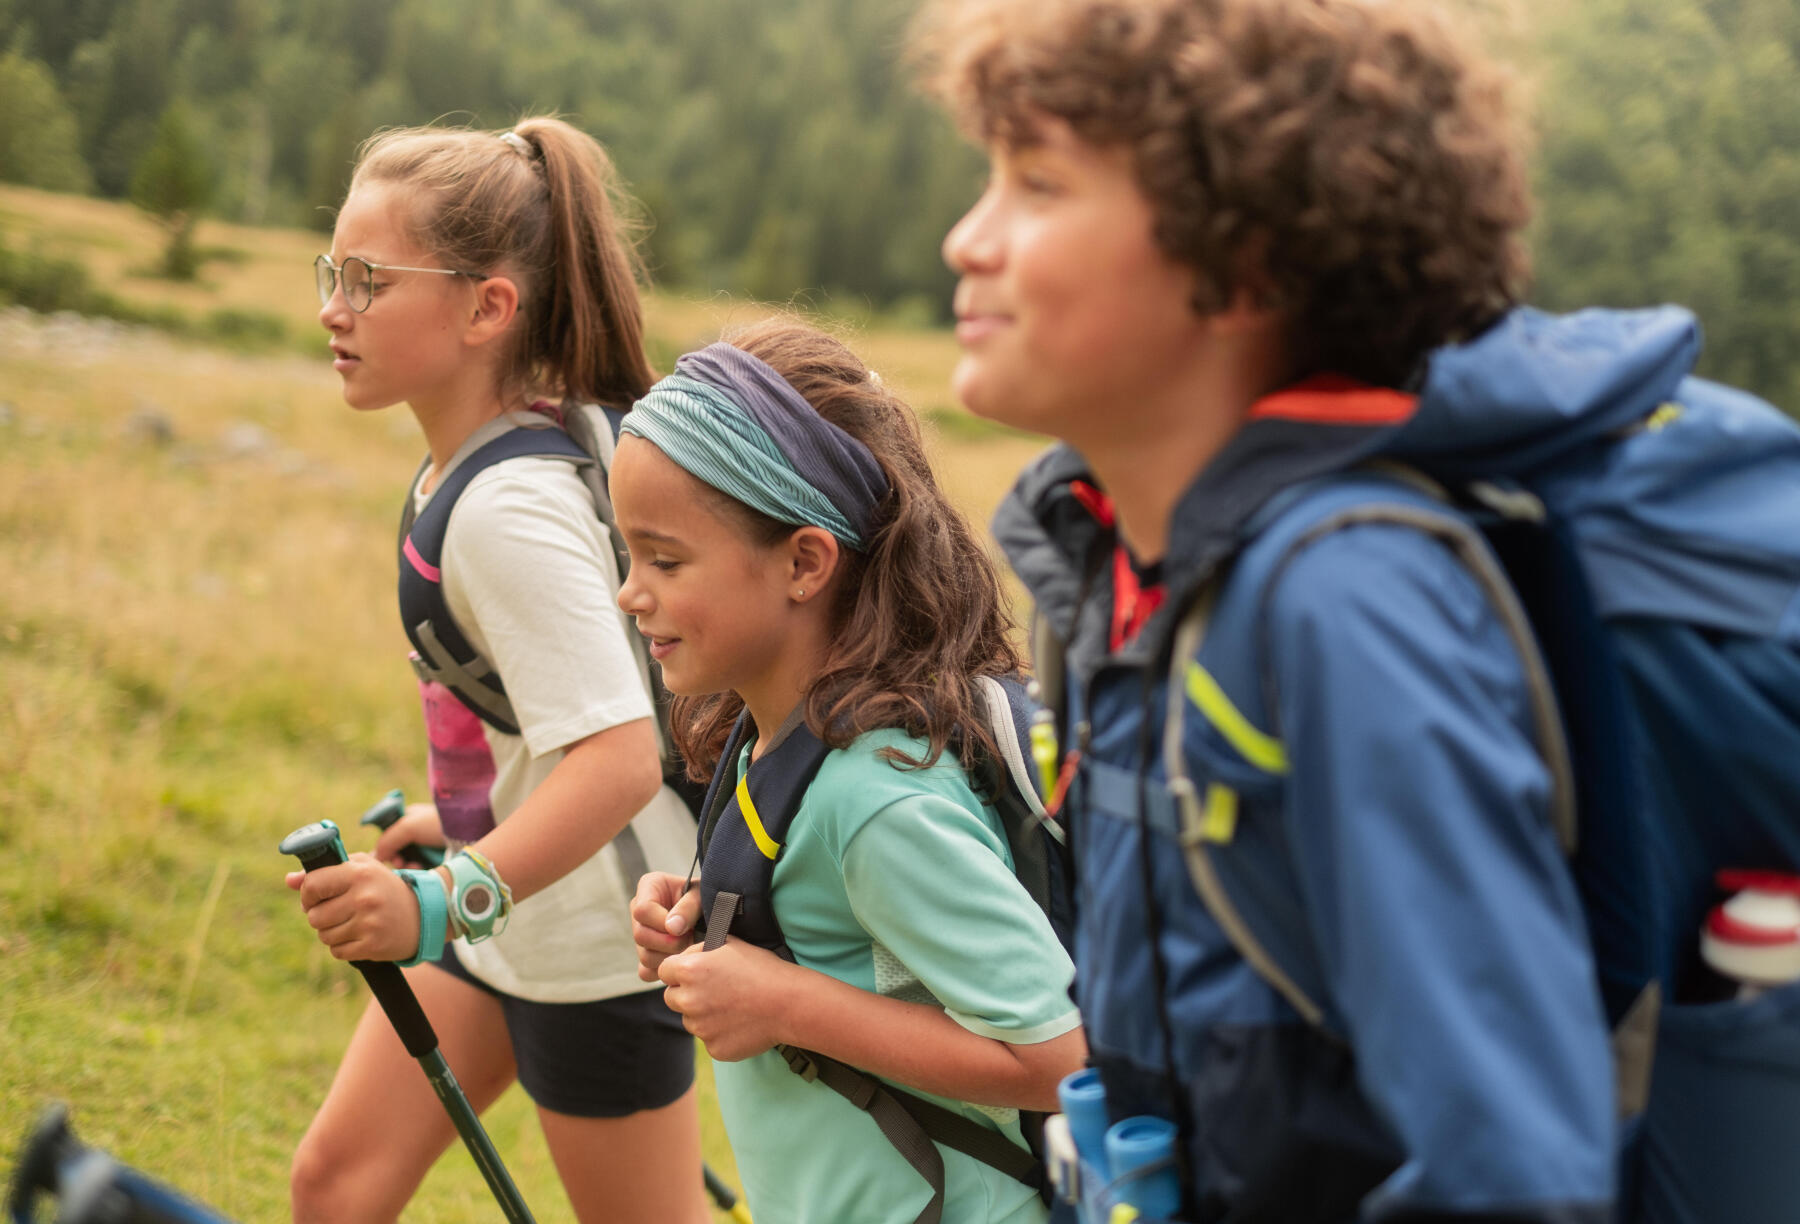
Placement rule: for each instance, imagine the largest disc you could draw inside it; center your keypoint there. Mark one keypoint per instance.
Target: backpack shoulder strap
(1213, 821)
(595, 428)
(745, 828)
(1009, 713)
(1037, 840)
(1048, 664)
(443, 653)
(1208, 821)
(1465, 542)
(914, 1126)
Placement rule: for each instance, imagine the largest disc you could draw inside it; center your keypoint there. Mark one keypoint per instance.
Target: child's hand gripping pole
(319, 845)
(384, 812)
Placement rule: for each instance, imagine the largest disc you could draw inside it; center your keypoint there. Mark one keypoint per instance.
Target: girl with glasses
(481, 280)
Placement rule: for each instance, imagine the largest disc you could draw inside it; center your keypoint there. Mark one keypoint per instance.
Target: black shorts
(603, 1059)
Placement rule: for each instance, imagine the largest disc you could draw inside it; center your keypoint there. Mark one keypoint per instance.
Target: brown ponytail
(547, 216)
(918, 614)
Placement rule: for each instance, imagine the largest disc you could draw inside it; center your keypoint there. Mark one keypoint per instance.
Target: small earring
(800, 594)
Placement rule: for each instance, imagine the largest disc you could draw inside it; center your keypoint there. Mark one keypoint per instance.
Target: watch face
(477, 901)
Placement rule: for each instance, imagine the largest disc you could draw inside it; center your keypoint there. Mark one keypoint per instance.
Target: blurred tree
(1670, 171)
(780, 148)
(39, 143)
(173, 183)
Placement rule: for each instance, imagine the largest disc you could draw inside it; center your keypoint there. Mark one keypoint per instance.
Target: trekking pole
(319, 845)
(89, 1186)
(723, 1197)
(384, 812)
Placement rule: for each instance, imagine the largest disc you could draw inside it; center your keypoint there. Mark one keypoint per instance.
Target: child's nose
(631, 594)
(334, 315)
(972, 243)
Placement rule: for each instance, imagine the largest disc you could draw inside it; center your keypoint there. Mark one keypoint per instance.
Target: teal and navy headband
(729, 420)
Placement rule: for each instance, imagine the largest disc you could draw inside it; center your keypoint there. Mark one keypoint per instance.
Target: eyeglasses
(357, 276)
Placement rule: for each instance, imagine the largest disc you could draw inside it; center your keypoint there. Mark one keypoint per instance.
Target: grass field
(198, 653)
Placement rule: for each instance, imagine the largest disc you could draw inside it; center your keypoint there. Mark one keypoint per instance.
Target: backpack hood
(1535, 386)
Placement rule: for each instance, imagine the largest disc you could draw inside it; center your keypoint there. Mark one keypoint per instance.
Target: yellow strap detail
(1263, 751)
(1664, 414)
(1122, 1213)
(1219, 824)
(768, 845)
(1043, 751)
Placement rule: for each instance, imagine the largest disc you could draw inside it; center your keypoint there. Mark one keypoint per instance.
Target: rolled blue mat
(1084, 1104)
(1147, 1144)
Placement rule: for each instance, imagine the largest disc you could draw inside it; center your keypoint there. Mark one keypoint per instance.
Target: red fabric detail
(1724, 926)
(1133, 604)
(1093, 501)
(549, 408)
(1738, 880)
(1332, 399)
(1064, 777)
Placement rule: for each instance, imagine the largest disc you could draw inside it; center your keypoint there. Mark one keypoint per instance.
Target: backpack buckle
(800, 1062)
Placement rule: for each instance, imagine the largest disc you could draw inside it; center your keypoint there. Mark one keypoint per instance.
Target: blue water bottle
(1084, 1104)
(1140, 1152)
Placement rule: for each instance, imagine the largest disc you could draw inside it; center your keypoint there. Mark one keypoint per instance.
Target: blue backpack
(1646, 561)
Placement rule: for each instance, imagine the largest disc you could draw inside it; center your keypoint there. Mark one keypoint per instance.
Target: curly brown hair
(1353, 162)
(918, 614)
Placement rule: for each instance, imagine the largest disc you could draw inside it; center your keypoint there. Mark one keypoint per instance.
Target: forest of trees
(777, 145)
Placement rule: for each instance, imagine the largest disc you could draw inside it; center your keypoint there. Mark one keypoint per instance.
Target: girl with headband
(471, 274)
(819, 606)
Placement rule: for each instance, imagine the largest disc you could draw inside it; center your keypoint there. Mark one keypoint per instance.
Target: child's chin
(673, 681)
(974, 388)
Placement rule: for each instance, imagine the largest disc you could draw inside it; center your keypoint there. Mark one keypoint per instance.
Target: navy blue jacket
(1362, 726)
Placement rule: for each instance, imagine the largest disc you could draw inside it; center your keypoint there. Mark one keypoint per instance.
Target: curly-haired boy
(1244, 257)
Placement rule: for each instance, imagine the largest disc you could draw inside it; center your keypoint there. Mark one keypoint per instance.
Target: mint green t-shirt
(897, 881)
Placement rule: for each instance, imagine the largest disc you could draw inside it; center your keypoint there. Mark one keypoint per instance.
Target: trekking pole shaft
(475, 1137)
(319, 846)
(723, 1197)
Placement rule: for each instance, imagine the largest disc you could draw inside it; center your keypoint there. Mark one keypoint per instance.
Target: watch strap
(434, 914)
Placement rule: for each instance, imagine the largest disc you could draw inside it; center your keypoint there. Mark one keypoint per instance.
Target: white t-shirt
(529, 577)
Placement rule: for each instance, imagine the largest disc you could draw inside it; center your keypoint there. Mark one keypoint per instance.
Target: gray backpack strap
(587, 424)
(435, 664)
(1634, 1036)
(1196, 829)
(1047, 662)
(1468, 546)
(998, 712)
(1208, 822)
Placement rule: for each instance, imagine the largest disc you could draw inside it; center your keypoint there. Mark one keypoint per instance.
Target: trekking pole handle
(320, 845)
(384, 812)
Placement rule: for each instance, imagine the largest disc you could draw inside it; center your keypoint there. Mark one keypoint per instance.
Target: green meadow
(198, 653)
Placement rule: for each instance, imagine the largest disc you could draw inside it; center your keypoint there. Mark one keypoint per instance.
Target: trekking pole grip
(320, 845)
